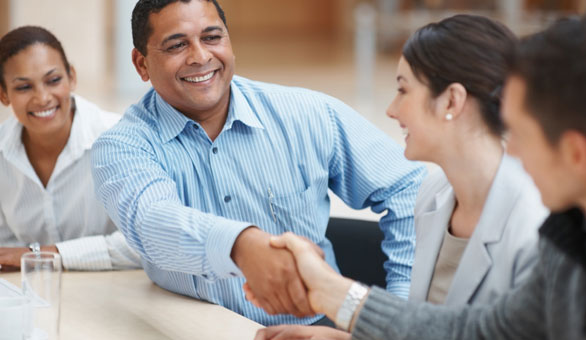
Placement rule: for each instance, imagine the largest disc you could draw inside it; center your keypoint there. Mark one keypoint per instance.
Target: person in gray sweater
(545, 111)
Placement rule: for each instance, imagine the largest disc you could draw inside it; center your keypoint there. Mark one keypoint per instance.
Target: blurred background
(346, 48)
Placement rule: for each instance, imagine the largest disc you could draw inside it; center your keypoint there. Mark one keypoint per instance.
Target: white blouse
(66, 212)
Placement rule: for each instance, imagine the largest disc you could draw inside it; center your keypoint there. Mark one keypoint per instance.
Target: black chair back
(357, 245)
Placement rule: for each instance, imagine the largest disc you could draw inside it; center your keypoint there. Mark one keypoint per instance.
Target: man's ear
(572, 145)
(4, 97)
(139, 62)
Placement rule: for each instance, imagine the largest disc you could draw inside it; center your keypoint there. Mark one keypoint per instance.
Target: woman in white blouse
(46, 190)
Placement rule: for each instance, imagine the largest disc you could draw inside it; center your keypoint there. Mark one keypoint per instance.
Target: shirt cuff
(219, 245)
(87, 253)
(399, 288)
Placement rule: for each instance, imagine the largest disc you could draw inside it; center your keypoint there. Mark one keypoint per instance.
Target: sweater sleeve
(516, 315)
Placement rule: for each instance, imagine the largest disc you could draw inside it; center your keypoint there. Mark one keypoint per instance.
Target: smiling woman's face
(412, 107)
(39, 90)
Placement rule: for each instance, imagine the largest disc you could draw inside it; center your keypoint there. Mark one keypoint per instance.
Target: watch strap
(353, 298)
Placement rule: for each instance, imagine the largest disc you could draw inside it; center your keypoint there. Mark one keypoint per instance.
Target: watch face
(35, 247)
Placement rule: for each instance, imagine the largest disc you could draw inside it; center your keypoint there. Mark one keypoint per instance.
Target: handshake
(287, 274)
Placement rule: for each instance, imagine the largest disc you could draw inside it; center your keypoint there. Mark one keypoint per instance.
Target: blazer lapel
(476, 260)
(431, 227)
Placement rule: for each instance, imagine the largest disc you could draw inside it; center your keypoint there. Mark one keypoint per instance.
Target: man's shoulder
(140, 115)
(139, 122)
(289, 95)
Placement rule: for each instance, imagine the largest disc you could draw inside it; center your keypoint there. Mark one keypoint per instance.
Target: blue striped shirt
(181, 199)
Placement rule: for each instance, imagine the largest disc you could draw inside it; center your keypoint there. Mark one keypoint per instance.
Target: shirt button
(233, 274)
(195, 127)
(215, 150)
(205, 276)
(227, 198)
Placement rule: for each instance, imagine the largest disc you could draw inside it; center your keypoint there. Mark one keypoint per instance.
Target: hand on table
(10, 257)
(271, 275)
(298, 332)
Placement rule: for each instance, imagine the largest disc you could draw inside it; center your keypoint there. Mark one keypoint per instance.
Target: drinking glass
(41, 283)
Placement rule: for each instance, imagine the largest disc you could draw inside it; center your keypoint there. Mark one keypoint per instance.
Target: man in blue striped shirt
(208, 165)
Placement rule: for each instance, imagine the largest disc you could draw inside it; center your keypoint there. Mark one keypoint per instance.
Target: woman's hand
(326, 288)
(10, 257)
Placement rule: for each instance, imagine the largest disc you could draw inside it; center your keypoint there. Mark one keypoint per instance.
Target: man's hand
(10, 257)
(296, 332)
(271, 274)
(327, 289)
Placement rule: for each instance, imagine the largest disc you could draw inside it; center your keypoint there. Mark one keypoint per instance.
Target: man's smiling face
(189, 58)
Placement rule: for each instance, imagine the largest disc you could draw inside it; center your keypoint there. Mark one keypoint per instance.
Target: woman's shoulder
(7, 128)
(10, 131)
(528, 204)
(93, 116)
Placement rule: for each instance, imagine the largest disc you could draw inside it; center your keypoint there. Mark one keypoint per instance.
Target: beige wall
(80, 27)
(4, 16)
(278, 19)
(4, 26)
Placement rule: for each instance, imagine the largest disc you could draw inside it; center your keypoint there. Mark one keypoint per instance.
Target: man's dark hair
(552, 64)
(467, 49)
(141, 27)
(20, 38)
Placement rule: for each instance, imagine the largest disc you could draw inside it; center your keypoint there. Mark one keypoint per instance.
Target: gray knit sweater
(551, 304)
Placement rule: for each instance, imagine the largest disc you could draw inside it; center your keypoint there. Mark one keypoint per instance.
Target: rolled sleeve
(88, 253)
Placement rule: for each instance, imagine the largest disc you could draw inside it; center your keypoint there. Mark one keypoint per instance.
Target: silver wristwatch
(35, 247)
(355, 294)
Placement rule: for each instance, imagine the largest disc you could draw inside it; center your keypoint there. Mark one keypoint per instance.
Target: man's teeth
(42, 114)
(199, 79)
(405, 131)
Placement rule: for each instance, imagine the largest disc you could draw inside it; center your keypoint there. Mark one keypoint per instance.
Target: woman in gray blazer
(476, 219)
(545, 109)
(502, 247)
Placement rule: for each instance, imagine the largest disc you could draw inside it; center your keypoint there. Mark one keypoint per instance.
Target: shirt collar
(81, 136)
(240, 110)
(174, 122)
(85, 129)
(83, 133)
(10, 137)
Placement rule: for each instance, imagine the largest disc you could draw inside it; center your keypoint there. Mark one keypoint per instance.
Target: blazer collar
(429, 240)
(476, 260)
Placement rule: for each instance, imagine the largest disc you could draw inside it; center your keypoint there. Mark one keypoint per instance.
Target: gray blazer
(502, 248)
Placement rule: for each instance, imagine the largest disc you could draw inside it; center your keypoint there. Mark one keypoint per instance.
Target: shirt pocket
(297, 212)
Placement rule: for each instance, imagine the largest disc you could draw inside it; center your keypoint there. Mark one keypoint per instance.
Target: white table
(127, 305)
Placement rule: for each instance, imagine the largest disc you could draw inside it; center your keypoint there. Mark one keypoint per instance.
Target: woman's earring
(449, 116)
